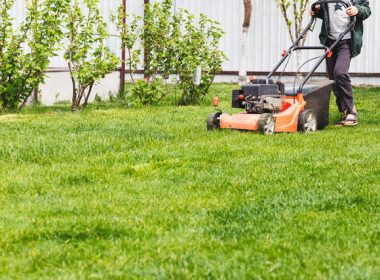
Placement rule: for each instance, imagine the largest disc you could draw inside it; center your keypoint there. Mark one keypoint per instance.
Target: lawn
(115, 193)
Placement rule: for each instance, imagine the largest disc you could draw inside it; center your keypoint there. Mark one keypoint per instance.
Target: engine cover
(260, 89)
(251, 91)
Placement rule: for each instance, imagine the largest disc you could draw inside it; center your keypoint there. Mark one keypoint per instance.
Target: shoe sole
(350, 124)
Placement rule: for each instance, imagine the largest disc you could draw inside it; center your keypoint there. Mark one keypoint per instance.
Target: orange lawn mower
(277, 107)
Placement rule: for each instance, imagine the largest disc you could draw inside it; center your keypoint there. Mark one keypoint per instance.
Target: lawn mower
(271, 107)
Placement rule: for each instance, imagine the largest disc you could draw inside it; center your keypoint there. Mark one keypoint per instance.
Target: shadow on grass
(99, 232)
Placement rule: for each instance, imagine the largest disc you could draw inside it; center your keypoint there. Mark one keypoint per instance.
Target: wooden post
(122, 69)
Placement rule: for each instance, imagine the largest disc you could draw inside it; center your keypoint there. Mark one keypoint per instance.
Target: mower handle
(327, 50)
(319, 2)
(344, 3)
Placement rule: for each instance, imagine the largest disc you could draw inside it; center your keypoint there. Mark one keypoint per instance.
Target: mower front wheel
(213, 121)
(267, 124)
(307, 121)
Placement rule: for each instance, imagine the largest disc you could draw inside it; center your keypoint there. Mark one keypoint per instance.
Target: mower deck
(305, 112)
(285, 121)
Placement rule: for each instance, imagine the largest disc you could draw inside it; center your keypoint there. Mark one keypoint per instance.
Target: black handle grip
(344, 3)
(319, 2)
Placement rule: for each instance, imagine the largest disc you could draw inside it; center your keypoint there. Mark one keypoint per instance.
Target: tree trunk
(75, 93)
(87, 96)
(36, 98)
(74, 107)
(244, 41)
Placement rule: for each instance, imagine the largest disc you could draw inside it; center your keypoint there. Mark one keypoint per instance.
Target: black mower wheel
(267, 124)
(307, 121)
(213, 121)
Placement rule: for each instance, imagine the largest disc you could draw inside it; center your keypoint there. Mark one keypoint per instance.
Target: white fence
(268, 36)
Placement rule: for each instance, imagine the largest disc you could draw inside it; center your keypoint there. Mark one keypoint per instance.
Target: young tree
(25, 52)
(176, 45)
(130, 35)
(88, 58)
(244, 42)
(159, 33)
(293, 12)
(10, 54)
(198, 48)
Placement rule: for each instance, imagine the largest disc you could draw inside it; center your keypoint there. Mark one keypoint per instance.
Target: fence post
(146, 49)
(122, 69)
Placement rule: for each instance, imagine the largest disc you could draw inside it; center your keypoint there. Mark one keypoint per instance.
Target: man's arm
(317, 12)
(364, 11)
(361, 10)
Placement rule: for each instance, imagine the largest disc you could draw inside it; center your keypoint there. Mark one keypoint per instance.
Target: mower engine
(262, 104)
(258, 98)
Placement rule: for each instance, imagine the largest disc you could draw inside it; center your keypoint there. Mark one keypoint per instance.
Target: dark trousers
(337, 68)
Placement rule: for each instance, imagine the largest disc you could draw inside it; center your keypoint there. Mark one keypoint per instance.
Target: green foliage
(150, 194)
(160, 37)
(293, 12)
(25, 51)
(148, 93)
(130, 38)
(88, 57)
(176, 45)
(10, 53)
(198, 47)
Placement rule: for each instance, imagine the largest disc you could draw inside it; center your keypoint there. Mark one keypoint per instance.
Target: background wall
(268, 36)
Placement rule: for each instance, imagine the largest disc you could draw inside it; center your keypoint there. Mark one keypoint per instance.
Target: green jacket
(357, 33)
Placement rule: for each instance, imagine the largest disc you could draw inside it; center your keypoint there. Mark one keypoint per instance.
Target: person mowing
(336, 18)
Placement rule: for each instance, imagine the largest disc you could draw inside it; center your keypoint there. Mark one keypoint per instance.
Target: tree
(88, 58)
(293, 12)
(25, 52)
(198, 48)
(244, 42)
(130, 35)
(175, 44)
(158, 36)
(10, 56)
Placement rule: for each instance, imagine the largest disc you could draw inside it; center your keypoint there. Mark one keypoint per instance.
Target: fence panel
(268, 35)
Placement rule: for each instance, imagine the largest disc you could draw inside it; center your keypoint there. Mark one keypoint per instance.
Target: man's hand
(315, 10)
(352, 11)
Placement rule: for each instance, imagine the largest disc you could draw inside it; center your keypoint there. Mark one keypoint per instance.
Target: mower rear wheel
(307, 121)
(213, 121)
(267, 124)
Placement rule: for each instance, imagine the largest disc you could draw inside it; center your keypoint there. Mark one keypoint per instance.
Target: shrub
(198, 47)
(130, 39)
(25, 51)
(88, 58)
(176, 45)
(158, 34)
(149, 92)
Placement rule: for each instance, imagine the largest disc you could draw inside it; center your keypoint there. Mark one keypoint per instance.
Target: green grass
(123, 193)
